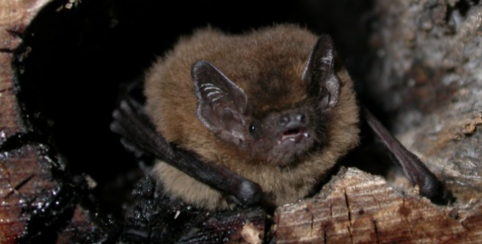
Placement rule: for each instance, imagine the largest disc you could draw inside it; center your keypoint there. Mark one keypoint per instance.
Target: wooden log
(356, 207)
(21, 176)
(35, 204)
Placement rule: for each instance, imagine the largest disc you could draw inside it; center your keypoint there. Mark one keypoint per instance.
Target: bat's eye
(252, 128)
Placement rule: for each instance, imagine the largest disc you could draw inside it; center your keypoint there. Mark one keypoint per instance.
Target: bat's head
(278, 136)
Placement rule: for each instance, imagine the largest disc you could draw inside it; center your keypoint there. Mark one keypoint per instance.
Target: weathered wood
(33, 201)
(359, 208)
(432, 58)
(14, 17)
(21, 177)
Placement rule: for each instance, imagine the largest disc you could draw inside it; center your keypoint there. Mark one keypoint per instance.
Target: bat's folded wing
(140, 137)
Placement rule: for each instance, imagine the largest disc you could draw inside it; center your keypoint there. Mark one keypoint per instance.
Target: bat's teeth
(292, 139)
(305, 134)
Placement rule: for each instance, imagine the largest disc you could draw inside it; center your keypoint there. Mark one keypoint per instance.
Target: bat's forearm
(412, 166)
(141, 137)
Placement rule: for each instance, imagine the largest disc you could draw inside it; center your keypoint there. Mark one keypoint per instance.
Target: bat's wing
(412, 166)
(139, 136)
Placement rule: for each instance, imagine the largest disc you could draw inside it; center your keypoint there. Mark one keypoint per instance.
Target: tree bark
(21, 177)
(359, 208)
(31, 194)
(432, 58)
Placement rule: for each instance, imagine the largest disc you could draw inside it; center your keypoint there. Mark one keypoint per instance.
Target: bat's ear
(320, 74)
(222, 105)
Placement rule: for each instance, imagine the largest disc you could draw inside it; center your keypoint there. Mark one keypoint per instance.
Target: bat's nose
(292, 120)
(293, 127)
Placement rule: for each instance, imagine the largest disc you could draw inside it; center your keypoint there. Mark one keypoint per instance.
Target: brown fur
(260, 62)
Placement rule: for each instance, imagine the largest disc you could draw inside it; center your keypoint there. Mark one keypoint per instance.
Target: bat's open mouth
(295, 134)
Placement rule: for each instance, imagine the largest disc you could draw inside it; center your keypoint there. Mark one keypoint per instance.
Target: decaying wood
(359, 208)
(431, 54)
(14, 17)
(21, 177)
(34, 205)
(431, 57)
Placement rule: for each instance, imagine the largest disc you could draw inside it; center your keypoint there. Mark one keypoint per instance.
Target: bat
(257, 118)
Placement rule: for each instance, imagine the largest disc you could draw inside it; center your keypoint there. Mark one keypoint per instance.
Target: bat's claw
(435, 190)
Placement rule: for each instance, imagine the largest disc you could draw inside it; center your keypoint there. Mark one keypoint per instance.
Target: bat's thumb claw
(249, 193)
(436, 192)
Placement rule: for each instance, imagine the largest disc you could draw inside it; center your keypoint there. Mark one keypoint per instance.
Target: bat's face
(283, 137)
(280, 135)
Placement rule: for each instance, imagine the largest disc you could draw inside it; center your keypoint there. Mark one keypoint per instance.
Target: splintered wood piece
(356, 207)
(244, 226)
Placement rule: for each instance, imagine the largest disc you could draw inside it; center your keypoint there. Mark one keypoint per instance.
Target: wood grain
(22, 178)
(357, 207)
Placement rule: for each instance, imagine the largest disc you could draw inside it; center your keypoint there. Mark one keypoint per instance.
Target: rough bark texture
(431, 56)
(40, 201)
(359, 208)
(427, 74)
(21, 176)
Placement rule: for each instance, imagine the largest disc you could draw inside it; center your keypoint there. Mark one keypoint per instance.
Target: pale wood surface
(356, 207)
